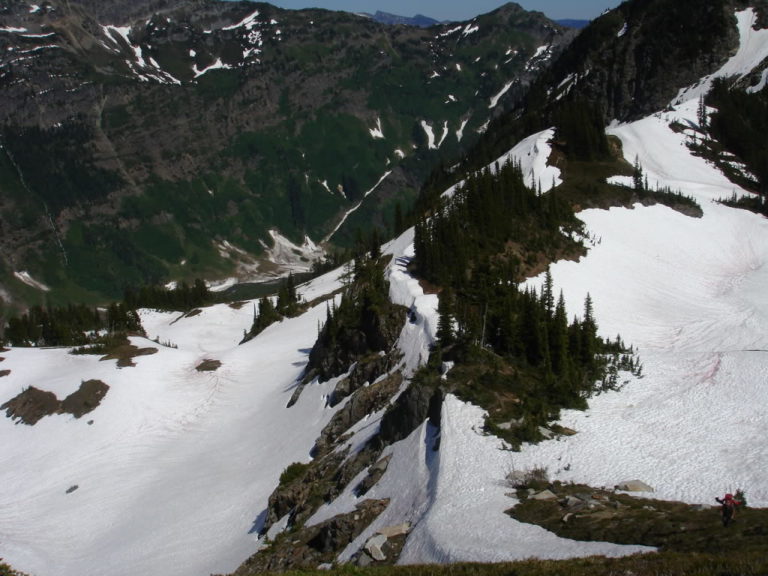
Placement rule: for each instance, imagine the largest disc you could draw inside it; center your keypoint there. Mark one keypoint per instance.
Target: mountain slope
(140, 141)
(687, 292)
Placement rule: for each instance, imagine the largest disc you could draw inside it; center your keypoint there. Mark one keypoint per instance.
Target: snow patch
(248, 22)
(470, 29)
(761, 84)
(293, 257)
(377, 133)
(497, 97)
(430, 135)
(460, 131)
(27, 279)
(218, 65)
(356, 206)
(533, 154)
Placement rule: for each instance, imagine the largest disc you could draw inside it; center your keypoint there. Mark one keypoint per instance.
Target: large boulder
(633, 486)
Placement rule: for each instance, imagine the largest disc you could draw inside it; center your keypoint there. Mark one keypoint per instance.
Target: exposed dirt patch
(237, 305)
(193, 313)
(33, 404)
(125, 353)
(4, 373)
(208, 366)
(86, 399)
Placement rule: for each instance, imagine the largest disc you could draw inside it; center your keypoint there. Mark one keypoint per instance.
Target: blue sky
(455, 10)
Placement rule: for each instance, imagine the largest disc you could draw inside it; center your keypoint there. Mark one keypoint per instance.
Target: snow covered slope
(690, 294)
(174, 468)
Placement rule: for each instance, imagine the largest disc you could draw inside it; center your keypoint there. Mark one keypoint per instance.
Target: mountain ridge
(281, 119)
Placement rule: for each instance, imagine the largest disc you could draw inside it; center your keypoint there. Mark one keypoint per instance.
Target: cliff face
(146, 139)
(632, 61)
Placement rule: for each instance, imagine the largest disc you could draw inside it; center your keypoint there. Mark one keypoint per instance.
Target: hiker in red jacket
(728, 508)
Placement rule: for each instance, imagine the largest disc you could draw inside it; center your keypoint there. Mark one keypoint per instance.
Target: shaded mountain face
(633, 60)
(156, 139)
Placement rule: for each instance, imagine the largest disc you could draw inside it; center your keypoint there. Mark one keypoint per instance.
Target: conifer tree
(637, 176)
(445, 310)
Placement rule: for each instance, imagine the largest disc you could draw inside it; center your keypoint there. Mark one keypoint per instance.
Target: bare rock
(634, 486)
(544, 495)
(397, 530)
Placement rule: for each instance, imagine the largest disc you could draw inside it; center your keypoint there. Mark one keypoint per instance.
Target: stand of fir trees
(182, 298)
(288, 304)
(507, 342)
(73, 325)
(364, 322)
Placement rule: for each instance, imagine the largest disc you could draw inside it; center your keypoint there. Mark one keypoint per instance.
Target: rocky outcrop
(313, 546)
(632, 61)
(384, 547)
(365, 370)
(334, 354)
(412, 407)
(365, 401)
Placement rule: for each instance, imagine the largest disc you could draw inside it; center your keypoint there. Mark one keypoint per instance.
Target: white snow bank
(27, 279)
(218, 65)
(377, 133)
(495, 99)
(689, 293)
(455, 498)
(430, 135)
(290, 256)
(176, 467)
(533, 154)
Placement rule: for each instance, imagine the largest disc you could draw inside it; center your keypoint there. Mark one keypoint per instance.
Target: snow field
(177, 466)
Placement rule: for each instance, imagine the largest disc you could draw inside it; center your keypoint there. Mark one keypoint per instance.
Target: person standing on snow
(728, 508)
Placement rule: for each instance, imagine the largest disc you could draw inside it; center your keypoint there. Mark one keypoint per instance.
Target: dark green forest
(475, 248)
(740, 124)
(73, 325)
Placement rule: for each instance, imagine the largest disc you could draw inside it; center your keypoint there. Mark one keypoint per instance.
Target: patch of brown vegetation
(193, 313)
(208, 365)
(31, 405)
(237, 305)
(125, 353)
(85, 399)
(4, 373)
(580, 512)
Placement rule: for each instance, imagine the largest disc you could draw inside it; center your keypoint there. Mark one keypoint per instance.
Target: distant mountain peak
(419, 20)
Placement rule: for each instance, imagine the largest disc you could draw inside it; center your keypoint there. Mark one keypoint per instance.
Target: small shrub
(292, 473)
(520, 480)
(741, 497)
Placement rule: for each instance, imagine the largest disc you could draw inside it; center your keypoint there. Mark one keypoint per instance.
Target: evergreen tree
(637, 176)
(701, 114)
(445, 311)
